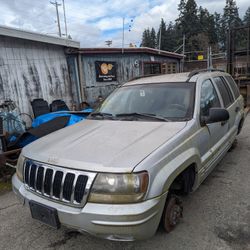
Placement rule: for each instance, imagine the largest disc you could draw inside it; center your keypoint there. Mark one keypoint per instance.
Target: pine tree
(146, 39)
(180, 20)
(217, 23)
(203, 19)
(229, 20)
(200, 28)
(211, 31)
(171, 36)
(181, 8)
(143, 40)
(242, 36)
(246, 19)
(190, 19)
(153, 42)
(161, 35)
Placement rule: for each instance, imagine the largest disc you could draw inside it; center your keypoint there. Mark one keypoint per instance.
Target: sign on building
(200, 57)
(105, 71)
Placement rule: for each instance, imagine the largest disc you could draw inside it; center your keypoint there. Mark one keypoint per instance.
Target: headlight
(119, 188)
(19, 167)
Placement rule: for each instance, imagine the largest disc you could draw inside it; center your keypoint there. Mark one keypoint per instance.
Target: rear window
(233, 86)
(225, 92)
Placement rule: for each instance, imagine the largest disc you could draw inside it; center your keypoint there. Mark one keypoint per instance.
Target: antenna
(108, 42)
(123, 31)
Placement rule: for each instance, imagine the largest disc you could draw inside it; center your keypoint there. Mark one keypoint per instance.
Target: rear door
(229, 103)
(238, 98)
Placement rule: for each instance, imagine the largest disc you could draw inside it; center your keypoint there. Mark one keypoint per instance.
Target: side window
(209, 98)
(233, 86)
(225, 92)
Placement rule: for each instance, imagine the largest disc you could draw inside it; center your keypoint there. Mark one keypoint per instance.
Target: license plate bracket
(45, 214)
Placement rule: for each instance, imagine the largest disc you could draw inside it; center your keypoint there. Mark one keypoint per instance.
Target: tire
(172, 213)
(240, 126)
(233, 146)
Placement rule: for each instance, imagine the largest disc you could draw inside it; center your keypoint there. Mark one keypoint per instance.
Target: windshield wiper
(101, 114)
(145, 115)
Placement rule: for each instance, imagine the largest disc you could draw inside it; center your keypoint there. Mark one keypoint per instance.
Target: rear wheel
(172, 213)
(240, 126)
(234, 145)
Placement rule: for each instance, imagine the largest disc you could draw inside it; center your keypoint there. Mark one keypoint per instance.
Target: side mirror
(215, 115)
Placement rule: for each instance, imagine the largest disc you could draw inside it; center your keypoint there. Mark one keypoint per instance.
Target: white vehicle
(117, 174)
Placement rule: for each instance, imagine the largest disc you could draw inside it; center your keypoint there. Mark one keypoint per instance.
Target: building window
(159, 68)
(169, 68)
(152, 68)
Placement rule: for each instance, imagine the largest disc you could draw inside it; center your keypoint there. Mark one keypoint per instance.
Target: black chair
(58, 105)
(40, 107)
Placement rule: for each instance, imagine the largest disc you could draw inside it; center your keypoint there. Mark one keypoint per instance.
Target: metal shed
(101, 70)
(34, 65)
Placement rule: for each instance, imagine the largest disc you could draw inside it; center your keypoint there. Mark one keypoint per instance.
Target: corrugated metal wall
(30, 70)
(126, 70)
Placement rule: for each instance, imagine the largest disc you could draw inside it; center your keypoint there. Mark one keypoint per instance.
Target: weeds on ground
(5, 176)
(5, 186)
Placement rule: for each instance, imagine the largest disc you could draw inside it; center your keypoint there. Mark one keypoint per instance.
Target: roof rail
(142, 76)
(196, 72)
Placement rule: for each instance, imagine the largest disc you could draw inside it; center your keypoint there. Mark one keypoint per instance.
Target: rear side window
(209, 98)
(233, 86)
(225, 92)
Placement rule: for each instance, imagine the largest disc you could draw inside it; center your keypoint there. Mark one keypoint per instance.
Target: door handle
(237, 109)
(223, 123)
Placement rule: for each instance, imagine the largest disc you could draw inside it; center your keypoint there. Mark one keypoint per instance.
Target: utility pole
(123, 31)
(209, 58)
(183, 52)
(123, 23)
(160, 39)
(65, 21)
(57, 14)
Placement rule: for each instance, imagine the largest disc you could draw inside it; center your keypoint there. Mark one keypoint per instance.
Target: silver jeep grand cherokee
(119, 173)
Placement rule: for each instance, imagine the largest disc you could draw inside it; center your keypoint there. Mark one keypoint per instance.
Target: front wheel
(172, 213)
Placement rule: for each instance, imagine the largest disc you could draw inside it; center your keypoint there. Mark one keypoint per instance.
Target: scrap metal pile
(19, 129)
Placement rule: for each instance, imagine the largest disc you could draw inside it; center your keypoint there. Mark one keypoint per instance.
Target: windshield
(172, 101)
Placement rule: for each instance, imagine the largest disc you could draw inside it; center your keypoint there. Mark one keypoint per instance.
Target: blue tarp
(74, 117)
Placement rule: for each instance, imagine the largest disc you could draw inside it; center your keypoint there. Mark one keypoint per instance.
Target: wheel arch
(240, 126)
(167, 174)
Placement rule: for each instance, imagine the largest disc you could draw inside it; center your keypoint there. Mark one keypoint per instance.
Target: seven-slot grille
(55, 183)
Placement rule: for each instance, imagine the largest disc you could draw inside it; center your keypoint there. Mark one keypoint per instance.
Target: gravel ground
(216, 216)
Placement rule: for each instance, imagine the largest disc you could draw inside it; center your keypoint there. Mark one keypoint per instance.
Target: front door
(214, 132)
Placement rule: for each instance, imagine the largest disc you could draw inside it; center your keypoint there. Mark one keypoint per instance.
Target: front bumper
(110, 221)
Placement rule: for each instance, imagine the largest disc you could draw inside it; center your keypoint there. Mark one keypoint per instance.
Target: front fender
(163, 179)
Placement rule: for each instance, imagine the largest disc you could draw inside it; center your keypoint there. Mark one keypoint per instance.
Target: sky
(92, 22)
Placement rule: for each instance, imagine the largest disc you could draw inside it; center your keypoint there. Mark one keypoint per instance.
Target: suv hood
(102, 145)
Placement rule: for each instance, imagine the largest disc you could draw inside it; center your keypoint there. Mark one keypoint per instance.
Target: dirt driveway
(216, 216)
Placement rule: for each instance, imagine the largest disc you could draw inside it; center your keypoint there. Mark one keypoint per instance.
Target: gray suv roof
(177, 77)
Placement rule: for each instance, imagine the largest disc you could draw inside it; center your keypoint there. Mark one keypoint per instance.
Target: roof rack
(142, 76)
(196, 72)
